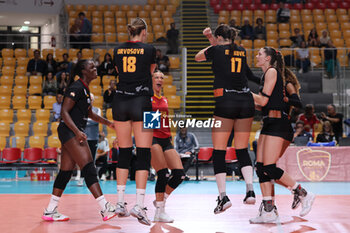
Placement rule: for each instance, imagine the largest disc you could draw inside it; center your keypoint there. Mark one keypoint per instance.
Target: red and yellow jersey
(161, 103)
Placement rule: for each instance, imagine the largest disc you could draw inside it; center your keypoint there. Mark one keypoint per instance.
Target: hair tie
(277, 52)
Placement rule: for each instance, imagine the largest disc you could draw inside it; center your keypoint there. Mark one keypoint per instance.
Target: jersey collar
(158, 97)
(87, 87)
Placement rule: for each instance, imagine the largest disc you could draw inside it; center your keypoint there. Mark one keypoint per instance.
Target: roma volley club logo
(151, 120)
(314, 164)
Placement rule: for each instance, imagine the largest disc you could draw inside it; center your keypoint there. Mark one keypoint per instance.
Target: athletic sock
(101, 200)
(267, 202)
(53, 203)
(221, 182)
(166, 196)
(140, 197)
(247, 173)
(160, 206)
(121, 191)
(249, 187)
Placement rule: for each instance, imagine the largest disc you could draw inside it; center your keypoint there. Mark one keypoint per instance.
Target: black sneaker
(223, 205)
(296, 201)
(249, 198)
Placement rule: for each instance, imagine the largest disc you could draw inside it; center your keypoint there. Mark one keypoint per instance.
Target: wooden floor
(192, 213)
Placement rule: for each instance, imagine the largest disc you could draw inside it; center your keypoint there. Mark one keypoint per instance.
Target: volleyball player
(164, 156)
(135, 63)
(76, 109)
(275, 136)
(234, 107)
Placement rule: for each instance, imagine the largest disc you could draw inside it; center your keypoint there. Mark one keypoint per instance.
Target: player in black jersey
(76, 109)
(276, 96)
(234, 107)
(135, 63)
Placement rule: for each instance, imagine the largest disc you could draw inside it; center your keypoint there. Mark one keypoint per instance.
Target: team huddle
(139, 89)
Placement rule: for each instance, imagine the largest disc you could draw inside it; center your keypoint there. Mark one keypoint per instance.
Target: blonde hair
(136, 26)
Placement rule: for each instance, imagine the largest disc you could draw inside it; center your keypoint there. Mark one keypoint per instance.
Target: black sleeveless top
(276, 101)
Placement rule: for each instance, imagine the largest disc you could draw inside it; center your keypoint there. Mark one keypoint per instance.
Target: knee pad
(273, 172)
(243, 157)
(124, 158)
(219, 161)
(260, 173)
(176, 178)
(143, 158)
(162, 180)
(89, 173)
(62, 179)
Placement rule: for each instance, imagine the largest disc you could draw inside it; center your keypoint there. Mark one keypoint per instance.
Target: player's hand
(285, 99)
(207, 32)
(81, 136)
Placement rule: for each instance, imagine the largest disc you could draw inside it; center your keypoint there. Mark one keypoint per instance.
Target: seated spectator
(303, 58)
(301, 136)
(109, 94)
(65, 65)
(336, 120)
(56, 108)
(36, 66)
(297, 38)
(324, 39)
(247, 31)
(102, 156)
(85, 31)
(107, 67)
(49, 85)
(96, 60)
(283, 14)
(74, 38)
(232, 23)
(172, 36)
(62, 82)
(79, 57)
(309, 118)
(313, 39)
(330, 59)
(51, 64)
(259, 30)
(186, 145)
(162, 61)
(327, 134)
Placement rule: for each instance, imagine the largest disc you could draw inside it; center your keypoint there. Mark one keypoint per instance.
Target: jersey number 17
(233, 64)
(129, 64)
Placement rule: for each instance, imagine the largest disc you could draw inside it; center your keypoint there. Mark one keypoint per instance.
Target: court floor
(191, 205)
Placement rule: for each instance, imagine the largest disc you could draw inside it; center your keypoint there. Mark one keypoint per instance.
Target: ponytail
(228, 33)
(136, 26)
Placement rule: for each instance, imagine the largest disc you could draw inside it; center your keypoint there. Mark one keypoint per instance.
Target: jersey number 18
(129, 64)
(233, 64)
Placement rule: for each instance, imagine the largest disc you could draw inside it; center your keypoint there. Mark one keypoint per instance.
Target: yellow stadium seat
(150, 37)
(111, 51)
(148, 8)
(108, 14)
(346, 33)
(9, 61)
(102, 7)
(20, 53)
(335, 34)
(122, 37)
(168, 79)
(222, 20)
(143, 14)
(80, 7)
(317, 12)
(49, 101)
(42, 115)
(341, 11)
(272, 42)
(125, 8)
(122, 28)
(166, 14)
(120, 15)
(320, 26)
(101, 52)
(72, 53)
(168, 21)
(17, 141)
(6, 115)
(87, 53)
(21, 80)
(248, 44)
(109, 21)
(98, 102)
(155, 14)
(97, 38)
(343, 18)
(22, 61)
(97, 14)
(4, 129)
(283, 26)
(91, 7)
(160, 8)
(109, 29)
(136, 8)
(319, 18)
(285, 42)
(295, 19)
(224, 13)
(316, 59)
(152, 2)
(30, 53)
(333, 26)
(5, 102)
(6, 80)
(163, 2)
(271, 35)
(271, 26)
(294, 12)
(34, 89)
(45, 52)
(171, 8)
(305, 12)
(259, 44)
(53, 141)
(259, 14)
(21, 70)
(113, 8)
(7, 52)
(0, 61)
(40, 128)
(2, 143)
(158, 28)
(21, 128)
(96, 21)
(70, 7)
(131, 14)
(95, 89)
(34, 102)
(24, 115)
(8, 70)
(308, 26)
(106, 79)
(306, 18)
(53, 128)
(169, 90)
(111, 37)
(331, 19)
(121, 22)
(174, 62)
(174, 102)
(35, 80)
(20, 90)
(270, 13)
(37, 141)
(345, 26)
(295, 25)
(339, 42)
(156, 21)
(5, 90)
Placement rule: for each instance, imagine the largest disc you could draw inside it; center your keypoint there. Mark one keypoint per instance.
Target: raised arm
(270, 80)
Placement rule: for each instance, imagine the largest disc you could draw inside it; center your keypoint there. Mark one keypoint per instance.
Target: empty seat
(32, 155)
(169, 90)
(35, 80)
(6, 115)
(122, 37)
(50, 155)
(9, 61)
(8, 70)
(205, 154)
(3, 143)
(95, 29)
(21, 128)
(7, 52)
(5, 90)
(20, 53)
(96, 90)
(97, 38)
(42, 115)
(36, 141)
(109, 21)
(19, 102)
(109, 114)
(53, 127)
(6, 80)
(22, 61)
(34, 102)
(4, 129)
(49, 101)
(87, 53)
(35, 90)
(20, 90)
(24, 115)
(174, 101)
(174, 62)
(17, 142)
(40, 128)
(5, 102)
(11, 155)
(21, 70)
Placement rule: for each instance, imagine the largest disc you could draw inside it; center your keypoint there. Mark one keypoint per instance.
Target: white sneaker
(109, 212)
(103, 177)
(162, 217)
(264, 216)
(306, 203)
(54, 216)
(80, 182)
(140, 214)
(121, 210)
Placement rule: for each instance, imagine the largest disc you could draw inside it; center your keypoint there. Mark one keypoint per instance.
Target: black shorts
(65, 133)
(279, 127)
(165, 143)
(235, 106)
(125, 108)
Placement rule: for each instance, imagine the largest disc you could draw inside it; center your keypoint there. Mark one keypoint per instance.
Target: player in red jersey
(164, 156)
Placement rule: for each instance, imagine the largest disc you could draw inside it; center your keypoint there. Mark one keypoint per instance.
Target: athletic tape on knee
(162, 180)
(124, 158)
(260, 173)
(273, 172)
(219, 161)
(176, 178)
(90, 174)
(143, 158)
(62, 179)
(243, 157)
